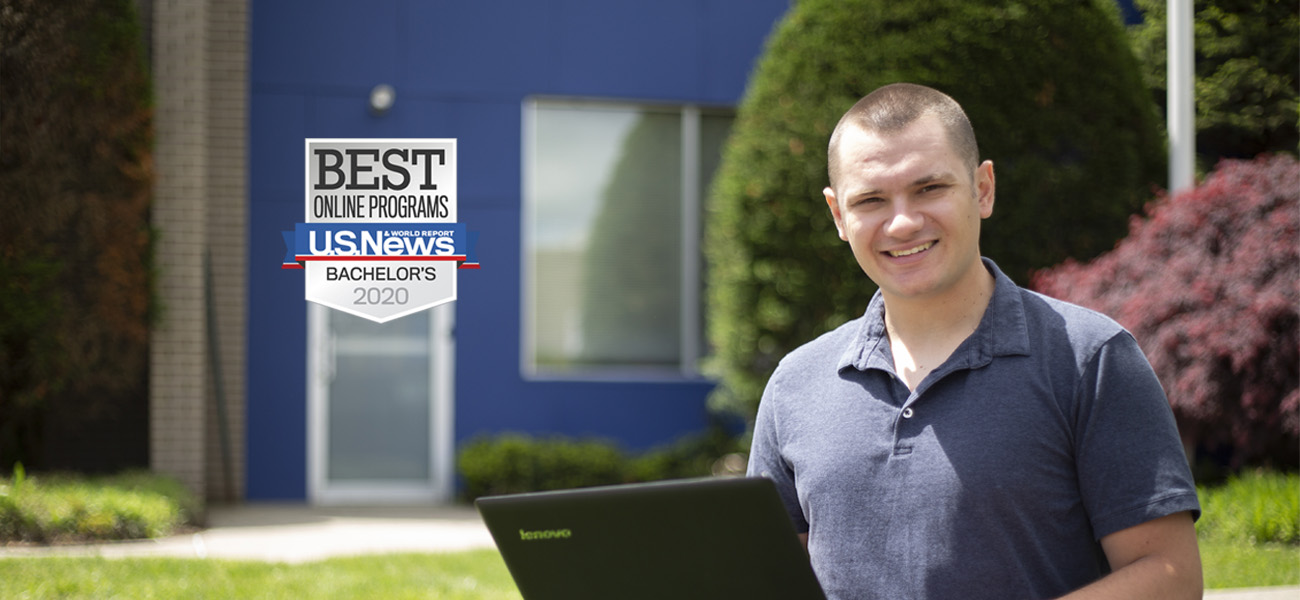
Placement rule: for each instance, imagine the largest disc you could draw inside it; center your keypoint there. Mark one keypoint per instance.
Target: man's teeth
(925, 246)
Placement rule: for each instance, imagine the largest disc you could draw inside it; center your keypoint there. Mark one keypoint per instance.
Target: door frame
(320, 366)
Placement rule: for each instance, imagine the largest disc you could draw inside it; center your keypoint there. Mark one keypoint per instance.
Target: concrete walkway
(294, 533)
(1267, 593)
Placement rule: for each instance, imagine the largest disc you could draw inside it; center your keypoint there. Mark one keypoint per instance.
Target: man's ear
(985, 187)
(835, 211)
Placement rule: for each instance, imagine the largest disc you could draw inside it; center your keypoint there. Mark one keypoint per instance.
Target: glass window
(612, 203)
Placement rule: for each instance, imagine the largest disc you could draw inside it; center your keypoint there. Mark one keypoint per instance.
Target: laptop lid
(696, 538)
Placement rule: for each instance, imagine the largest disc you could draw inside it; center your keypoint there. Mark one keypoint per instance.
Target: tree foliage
(1209, 283)
(1247, 52)
(75, 173)
(1057, 102)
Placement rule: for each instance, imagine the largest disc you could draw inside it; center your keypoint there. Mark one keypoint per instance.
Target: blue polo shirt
(1045, 431)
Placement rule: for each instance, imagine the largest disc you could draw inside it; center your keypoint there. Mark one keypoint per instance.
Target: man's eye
(932, 188)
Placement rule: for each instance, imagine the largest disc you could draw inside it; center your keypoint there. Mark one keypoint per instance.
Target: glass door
(379, 407)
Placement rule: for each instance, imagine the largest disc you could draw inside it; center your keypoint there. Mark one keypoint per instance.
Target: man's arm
(1157, 559)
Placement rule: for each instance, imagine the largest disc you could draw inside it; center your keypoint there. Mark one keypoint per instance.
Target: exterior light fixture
(382, 98)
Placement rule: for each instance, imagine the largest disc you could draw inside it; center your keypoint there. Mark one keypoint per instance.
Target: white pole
(1180, 98)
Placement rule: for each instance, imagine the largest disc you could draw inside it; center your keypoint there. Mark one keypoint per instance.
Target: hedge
(513, 463)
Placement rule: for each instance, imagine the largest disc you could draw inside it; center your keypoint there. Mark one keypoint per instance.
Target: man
(966, 438)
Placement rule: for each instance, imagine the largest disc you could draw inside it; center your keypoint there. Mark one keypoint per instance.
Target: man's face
(908, 207)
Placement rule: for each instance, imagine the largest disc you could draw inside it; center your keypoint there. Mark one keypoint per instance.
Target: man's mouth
(910, 251)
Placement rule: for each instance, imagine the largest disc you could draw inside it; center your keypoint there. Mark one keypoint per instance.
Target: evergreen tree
(1247, 52)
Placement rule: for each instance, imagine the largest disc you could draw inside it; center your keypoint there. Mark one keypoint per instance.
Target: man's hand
(1157, 559)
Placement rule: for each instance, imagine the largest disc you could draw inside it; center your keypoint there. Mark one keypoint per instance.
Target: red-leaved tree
(1209, 284)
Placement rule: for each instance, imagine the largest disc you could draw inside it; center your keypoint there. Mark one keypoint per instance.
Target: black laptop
(696, 538)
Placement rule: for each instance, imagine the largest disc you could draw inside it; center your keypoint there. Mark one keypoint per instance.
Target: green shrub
(514, 463)
(1256, 507)
(67, 508)
(693, 456)
(1057, 102)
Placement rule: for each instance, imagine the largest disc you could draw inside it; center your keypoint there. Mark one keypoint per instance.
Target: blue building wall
(462, 69)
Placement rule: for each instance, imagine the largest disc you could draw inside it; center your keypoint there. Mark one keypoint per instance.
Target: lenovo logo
(545, 534)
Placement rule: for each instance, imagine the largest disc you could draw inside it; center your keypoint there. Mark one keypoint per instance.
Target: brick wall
(227, 231)
(199, 54)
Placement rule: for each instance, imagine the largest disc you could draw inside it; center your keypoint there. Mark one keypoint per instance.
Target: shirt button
(907, 413)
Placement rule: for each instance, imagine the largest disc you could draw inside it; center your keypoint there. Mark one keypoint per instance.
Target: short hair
(891, 108)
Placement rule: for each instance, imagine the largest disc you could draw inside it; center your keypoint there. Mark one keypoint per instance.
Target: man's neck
(923, 332)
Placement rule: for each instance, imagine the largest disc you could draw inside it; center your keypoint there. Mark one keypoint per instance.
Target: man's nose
(904, 220)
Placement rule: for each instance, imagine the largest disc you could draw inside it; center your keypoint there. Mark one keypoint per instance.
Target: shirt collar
(1002, 331)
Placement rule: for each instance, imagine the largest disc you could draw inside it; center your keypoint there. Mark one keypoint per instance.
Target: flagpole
(1180, 96)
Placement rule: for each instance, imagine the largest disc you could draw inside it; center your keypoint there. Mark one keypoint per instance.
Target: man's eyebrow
(919, 181)
(932, 178)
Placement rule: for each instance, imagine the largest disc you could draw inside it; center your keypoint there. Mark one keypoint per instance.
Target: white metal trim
(689, 296)
(317, 375)
(442, 448)
(527, 354)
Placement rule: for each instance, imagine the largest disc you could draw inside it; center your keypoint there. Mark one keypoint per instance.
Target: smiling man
(966, 438)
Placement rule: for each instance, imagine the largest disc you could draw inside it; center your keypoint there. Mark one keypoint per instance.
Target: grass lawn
(477, 574)
(1234, 564)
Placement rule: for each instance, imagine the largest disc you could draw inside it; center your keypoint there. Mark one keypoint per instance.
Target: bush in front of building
(514, 463)
(1057, 102)
(76, 280)
(62, 508)
(1207, 283)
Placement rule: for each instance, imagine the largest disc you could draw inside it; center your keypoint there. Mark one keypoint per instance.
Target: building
(573, 118)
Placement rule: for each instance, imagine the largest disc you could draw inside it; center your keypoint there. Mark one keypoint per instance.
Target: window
(612, 211)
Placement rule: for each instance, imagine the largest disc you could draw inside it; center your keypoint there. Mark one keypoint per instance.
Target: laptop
(693, 538)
